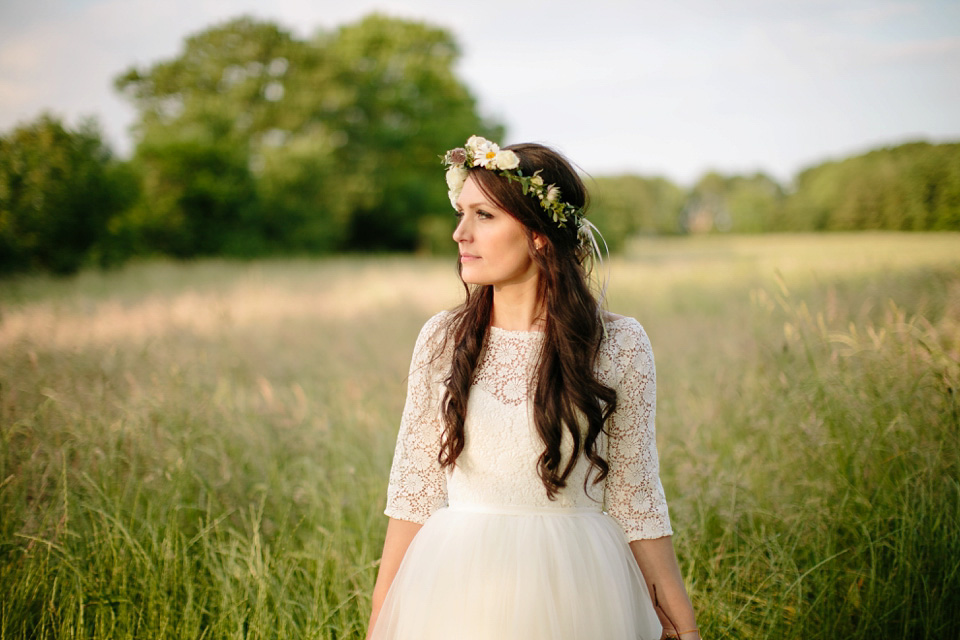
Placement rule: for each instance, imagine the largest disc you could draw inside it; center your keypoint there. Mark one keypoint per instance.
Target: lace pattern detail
(418, 484)
(507, 365)
(498, 464)
(633, 494)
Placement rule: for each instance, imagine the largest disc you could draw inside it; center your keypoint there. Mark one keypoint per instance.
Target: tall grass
(832, 507)
(201, 449)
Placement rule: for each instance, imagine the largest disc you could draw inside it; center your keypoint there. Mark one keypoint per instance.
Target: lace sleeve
(633, 494)
(418, 484)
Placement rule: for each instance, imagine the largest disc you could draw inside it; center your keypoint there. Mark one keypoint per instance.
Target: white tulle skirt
(475, 573)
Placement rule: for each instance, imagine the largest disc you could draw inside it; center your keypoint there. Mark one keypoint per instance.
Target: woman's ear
(538, 241)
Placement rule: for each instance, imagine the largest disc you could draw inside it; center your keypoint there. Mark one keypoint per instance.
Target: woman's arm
(633, 493)
(658, 563)
(418, 485)
(400, 534)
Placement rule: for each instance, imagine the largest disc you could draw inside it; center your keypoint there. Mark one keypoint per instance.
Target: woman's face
(493, 244)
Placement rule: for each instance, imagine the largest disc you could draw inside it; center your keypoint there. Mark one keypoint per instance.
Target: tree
(340, 135)
(914, 186)
(58, 191)
(201, 115)
(706, 206)
(734, 203)
(626, 205)
(202, 201)
(753, 203)
(406, 107)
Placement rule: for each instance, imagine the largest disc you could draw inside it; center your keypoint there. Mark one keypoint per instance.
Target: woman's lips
(468, 257)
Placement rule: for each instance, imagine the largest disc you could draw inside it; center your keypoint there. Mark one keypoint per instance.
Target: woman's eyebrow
(475, 205)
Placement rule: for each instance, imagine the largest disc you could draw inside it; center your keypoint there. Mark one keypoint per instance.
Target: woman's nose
(461, 232)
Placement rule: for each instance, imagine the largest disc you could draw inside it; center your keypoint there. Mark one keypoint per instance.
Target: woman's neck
(517, 307)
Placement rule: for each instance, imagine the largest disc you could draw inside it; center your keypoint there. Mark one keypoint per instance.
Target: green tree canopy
(914, 186)
(735, 203)
(629, 204)
(58, 190)
(328, 143)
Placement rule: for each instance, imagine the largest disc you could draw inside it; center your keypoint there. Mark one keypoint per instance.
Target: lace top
(498, 465)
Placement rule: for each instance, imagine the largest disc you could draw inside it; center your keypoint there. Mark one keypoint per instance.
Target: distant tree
(816, 192)
(407, 106)
(914, 186)
(202, 201)
(626, 205)
(735, 203)
(340, 135)
(58, 191)
(202, 116)
(754, 203)
(706, 207)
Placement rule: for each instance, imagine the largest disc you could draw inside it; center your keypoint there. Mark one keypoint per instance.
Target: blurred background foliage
(252, 142)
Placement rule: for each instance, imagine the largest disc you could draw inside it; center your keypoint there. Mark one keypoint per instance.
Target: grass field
(200, 450)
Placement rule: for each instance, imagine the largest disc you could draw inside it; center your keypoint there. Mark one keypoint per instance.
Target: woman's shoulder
(624, 333)
(433, 332)
(616, 323)
(431, 351)
(437, 322)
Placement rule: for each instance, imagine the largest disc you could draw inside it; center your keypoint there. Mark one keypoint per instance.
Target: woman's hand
(658, 564)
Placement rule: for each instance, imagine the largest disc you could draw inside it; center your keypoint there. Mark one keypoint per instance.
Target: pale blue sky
(673, 88)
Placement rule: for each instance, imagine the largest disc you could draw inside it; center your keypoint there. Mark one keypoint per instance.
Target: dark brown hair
(566, 386)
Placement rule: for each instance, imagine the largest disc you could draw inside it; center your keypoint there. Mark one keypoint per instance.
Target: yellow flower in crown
(482, 150)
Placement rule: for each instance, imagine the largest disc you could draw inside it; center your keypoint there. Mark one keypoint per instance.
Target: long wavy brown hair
(567, 390)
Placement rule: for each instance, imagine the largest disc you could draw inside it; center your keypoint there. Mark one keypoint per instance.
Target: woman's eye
(483, 215)
(458, 214)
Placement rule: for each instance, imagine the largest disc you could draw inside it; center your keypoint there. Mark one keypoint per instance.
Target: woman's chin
(470, 274)
(477, 281)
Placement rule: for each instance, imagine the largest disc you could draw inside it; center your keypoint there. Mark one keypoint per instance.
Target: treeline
(60, 192)
(911, 187)
(253, 142)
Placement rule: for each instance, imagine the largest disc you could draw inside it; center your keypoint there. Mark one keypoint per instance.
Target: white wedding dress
(495, 558)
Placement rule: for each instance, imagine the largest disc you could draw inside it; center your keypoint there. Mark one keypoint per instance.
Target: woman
(529, 410)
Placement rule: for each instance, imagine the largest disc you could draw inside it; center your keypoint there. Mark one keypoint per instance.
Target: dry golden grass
(201, 449)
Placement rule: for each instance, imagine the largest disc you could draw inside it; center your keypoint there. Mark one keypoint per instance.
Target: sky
(672, 88)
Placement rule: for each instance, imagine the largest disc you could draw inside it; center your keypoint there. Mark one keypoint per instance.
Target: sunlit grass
(201, 449)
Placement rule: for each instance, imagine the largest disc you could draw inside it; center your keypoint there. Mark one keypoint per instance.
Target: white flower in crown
(474, 143)
(482, 150)
(506, 160)
(456, 176)
(553, 193)
(476, 146)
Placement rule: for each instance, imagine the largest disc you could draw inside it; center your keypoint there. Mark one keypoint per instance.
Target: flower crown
(480, 152)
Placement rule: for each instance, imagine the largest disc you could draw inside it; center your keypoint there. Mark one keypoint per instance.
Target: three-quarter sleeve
(418, 484)
(633, 493)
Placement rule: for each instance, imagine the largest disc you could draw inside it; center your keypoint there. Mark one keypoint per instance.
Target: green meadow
(201, 449)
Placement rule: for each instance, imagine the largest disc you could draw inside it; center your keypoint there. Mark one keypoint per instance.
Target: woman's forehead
(472, 196)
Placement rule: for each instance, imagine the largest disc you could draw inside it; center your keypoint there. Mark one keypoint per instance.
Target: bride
(524, 498)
